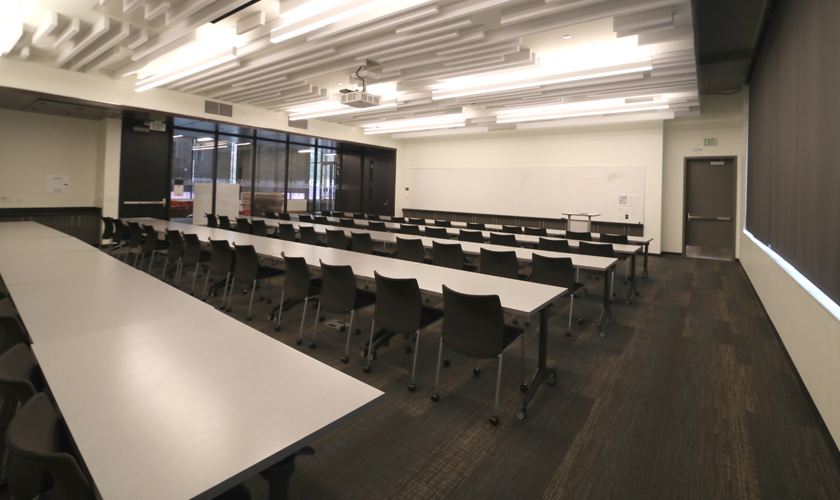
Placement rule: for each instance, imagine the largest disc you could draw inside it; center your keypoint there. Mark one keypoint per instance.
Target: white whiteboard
(618, 192)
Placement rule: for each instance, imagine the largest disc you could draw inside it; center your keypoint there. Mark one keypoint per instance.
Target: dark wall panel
(144, 170)
(351, 183)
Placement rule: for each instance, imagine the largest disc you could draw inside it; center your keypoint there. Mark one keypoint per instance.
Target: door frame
(734, 159)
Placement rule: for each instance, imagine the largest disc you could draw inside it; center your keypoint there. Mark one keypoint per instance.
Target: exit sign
(710, 142)
(157, 126)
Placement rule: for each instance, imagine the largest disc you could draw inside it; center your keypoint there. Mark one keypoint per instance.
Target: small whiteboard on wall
(57, 184)
(227, 200)
(616, 192)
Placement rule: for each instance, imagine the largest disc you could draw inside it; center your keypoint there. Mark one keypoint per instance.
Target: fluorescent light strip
(177, 136)
(575, 115)
(203, 139)
(191, 71)
(306, 151)
(451, 125)
(604, 107)
(330, 20)
(12, 15)
(304, 116)
(432, 120)
(541, 83)
(243, 143)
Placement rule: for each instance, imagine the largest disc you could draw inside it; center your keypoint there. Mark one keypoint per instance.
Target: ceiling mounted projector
(360, 98)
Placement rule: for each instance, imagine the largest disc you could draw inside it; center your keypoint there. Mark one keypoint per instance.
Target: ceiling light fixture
(324, 22)
(453, 125)
(203, 139)
(566, 37)
(12, 14)
(306, 151)
(339, 110)
(159, 80)
(177, 136)
(575, 115)
(243, 143)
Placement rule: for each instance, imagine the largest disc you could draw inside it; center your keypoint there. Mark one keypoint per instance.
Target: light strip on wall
(201, 66)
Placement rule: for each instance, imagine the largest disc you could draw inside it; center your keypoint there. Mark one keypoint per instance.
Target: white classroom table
(172, 404)
(27, 230)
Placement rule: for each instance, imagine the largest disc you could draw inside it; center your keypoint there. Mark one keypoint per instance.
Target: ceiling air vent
(302, 124)
(218, 108)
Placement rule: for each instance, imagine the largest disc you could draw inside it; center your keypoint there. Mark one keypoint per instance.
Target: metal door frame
(734, 197)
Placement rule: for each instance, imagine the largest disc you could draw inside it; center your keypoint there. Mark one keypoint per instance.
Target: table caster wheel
(271, 317)
(612, 319)
(476, 371)
(341, 329)
(412, 387)
(523, 387)
(435, 397)
(277, 328)
(551, 379)
(313, 345)
(580, 321)
(494, 420)
(222, 308)
(628, 302)
(601, 334)
(363, 352)
(366, 369)
(358, 331)
(321, 318)
(515, 321)
(299, 341)
(372, 355)
(521, 414)
(446, 362)
(568, 334)
(268, 301)
(228, 309)
(248, 318)
(345, 360)
(408, 349)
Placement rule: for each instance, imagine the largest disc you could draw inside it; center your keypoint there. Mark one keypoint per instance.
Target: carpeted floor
(689, 395)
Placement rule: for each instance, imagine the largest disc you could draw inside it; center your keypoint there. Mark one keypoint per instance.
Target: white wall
(721, 117)
(36, 145)
(627, 144)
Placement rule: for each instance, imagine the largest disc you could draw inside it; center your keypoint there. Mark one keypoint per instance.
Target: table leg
(645, 271)
(278, 475)
(543, 373)
(607, 312)
(632, 287)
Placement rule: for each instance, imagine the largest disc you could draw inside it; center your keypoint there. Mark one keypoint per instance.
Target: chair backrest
(377, 226)
(135, 234)
(36, 435)
(326, 213)
(400, 220)
(436, 232)
(224, 222)
(270, 215)
(305, 218)
(119, 231)
(361, 243)
(286, 232)
(553, 245)
(221, 257)
(417, 220)
(443, 223)
(473, 325)
(474, 236)
(247, 263)
(243, 226)
(508, 240)
(373, 217)
(596, 249)
(284, 216)
(176, 245)
(410, 249)
(320, 219)
(555, 271)
(410, 229)
(502, 264)
(211, 220)
(192, 249)
(298, 278)
(338, 288)
(476, 225)
(258, 228)
(108, 229)
(359, 216)
(615, 239)
(308, 235)
(512, 229)
(536, 231)
(399, 305)
(449, 255)
(348, 223)
(19, 377)
(151, 239)
(336, 239)
(12, 331)
(575, 235)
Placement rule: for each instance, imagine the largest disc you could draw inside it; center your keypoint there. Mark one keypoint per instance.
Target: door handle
(162, 202)
(697, 217)
(724, 218)
(693, 217)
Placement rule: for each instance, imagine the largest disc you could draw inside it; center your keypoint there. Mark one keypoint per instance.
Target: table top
(44, 246)
(27, 230)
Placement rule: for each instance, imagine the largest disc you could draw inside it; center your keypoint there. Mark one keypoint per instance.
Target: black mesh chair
(308, 235)
(12, 331)
(599, 250)
(443, 223)
(416, 220)
(319, 219)
(211, 220)
(258, 228)
(449, 255)
(107, 232)
(20, 378)
(474, 326)
(512, 229)
(558, 271)
(305, 218)
(221, 264)
(224, 222)
(326, 213)
(473, 236)
(361, 243)
(284, 216)
(398, 220)
(269, 215)
(410, 229)
(152, 246)
(194, 256)
(174, 253)
(476, 226)
(399, 311)
(298, 287)
(135, 240)
(575, 235)
(377, 226)
(359, 216)
(339, 295)
(348, 223)
(502, 264)
(286, 232)
(249, 270)
(507, 240)
(618, 239)
(372, 217)
(120, 235)
(337, 239)
(243, 226)
(436, 232)
(554, 245)
(411, 250)
(536, 231)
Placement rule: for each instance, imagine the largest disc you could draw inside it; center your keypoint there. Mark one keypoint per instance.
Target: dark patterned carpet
(689, 396)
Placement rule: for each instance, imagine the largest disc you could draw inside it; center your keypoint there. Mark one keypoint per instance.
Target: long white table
(164, 396)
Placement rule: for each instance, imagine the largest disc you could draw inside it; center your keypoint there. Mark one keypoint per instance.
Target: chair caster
(204, 299)
(372, 355)
(408, 349)
(268, 301)
(228, 309)
(222, 307)
(276, 328)
(321, 318)
(343, 328)
(551, 379)
(299, 341)
(580, 321)
(345, 360)
(521, 414)
(313, 345)
(271, 317)
(568, 334)
(613, 294)
(412, 387)
(628, 302)
(476, 371)
(366, 369)
(523, 387)
(358, 331)
(637, 293)
(435, 397)
(494, 420)
(515, 321)
(527, 323)
(601, 334)
(446, 362)
(612, 319)
(248, 318)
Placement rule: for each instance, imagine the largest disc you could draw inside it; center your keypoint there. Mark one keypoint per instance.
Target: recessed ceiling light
(567, 37)
(203, 139)
(339, 83)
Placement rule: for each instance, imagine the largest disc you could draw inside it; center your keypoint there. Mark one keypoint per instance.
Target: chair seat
(512, 333)
(364, 298)
(429, 316)
(265, 272)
